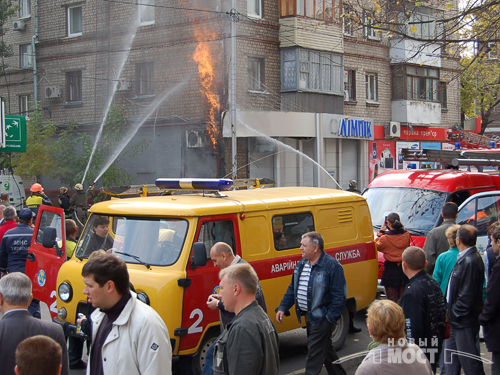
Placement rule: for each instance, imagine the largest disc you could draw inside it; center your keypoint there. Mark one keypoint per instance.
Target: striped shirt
(303, 284)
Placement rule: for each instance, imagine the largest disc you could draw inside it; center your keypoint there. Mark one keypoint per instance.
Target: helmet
(63, 189)
(36, 188)
(352, 183)
(79, 187)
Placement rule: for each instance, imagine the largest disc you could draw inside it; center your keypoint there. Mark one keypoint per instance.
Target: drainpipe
(33, 57)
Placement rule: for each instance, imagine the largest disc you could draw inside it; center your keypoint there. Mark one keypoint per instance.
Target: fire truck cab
(418, 196)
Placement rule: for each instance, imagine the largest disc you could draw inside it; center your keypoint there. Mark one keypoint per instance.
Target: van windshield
(153, 241)
(418, 209)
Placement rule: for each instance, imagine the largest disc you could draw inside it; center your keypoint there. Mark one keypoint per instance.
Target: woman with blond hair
(392, 240)
(393, 354)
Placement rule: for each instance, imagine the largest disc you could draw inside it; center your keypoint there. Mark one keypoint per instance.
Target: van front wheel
(193, 365)
(340, 332)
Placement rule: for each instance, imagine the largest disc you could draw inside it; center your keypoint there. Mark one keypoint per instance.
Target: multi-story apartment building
(311, 84)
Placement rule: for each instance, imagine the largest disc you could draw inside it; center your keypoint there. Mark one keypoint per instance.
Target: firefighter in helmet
(79, 205)
(352, 187)
(63, 199)
(37, 198)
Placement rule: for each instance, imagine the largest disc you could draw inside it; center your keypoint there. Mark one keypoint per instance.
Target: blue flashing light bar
(194, 183)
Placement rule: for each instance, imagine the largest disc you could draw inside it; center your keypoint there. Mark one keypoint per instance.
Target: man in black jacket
(249, 344)
(424, 306)
(223, 256)
(490, 317)
(465, 302)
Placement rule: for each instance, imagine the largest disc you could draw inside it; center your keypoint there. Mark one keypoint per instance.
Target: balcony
(416, 112)
(311, 34)
(415, 52)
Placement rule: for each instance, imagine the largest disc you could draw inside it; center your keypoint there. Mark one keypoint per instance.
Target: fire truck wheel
(340, 332)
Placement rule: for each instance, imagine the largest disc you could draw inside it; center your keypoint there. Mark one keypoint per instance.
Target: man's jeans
(320, 350)
(209, 358)
(463, 340)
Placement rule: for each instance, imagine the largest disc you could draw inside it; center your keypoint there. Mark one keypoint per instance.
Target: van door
(42, 265)
(196, 316)
(481, 211)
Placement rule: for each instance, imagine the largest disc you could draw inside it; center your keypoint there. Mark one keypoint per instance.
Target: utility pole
(233, 14)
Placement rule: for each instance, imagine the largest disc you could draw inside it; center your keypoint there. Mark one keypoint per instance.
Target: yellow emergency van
(165, 241)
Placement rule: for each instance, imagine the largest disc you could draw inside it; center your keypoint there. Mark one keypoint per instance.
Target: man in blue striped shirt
(318, 290)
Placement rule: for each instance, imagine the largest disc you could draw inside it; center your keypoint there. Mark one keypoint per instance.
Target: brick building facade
(287, 61)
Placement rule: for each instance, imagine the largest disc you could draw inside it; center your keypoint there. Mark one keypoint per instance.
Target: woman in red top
(392, 240)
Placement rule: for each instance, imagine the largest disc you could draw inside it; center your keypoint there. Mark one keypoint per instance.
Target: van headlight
(143, 297)
(62, 313)
(65, 292)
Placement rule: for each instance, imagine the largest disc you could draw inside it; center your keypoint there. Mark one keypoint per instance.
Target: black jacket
(466, 291)
(424, 307)
(490, 317)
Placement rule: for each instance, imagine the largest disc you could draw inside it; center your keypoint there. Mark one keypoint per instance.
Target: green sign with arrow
(15, 134)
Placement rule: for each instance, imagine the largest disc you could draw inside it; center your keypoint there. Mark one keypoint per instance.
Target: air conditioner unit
(53, 92)
(195, 138)
(18, 25)
(123, 85)
(393, 130)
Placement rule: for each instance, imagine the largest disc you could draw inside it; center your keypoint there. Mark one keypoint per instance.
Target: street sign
(15, 134)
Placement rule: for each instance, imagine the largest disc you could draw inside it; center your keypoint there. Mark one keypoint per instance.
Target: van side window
(288, 229)
(217, 231)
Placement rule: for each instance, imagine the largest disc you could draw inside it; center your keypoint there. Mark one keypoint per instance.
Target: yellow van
(166, 240)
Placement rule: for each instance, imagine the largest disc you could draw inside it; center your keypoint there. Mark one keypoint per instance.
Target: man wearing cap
(79, 204)
(37, 198)
(14, 251)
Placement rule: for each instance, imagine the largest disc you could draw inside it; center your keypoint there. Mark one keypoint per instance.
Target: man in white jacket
(128, 336)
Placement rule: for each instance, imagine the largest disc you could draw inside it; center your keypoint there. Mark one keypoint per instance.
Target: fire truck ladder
(454, 158)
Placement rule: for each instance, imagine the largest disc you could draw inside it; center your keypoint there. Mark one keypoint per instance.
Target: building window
(24, 101)
(254, 8)
(348, 21)
(74, 86)
(424, 24)
(144, 77)
(255, 74)
(308, 70)
(24, 8)
(75, 20)
(492, 51)
(442, 95)
(369, 22)
(415, 82)
(349, 85)
(372, 87)
(146, 11)
(25, 56)
(326, 10)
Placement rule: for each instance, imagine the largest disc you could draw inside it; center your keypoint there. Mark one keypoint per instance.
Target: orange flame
(206, 72)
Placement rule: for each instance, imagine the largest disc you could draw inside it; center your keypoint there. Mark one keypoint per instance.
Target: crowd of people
(437, 298)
